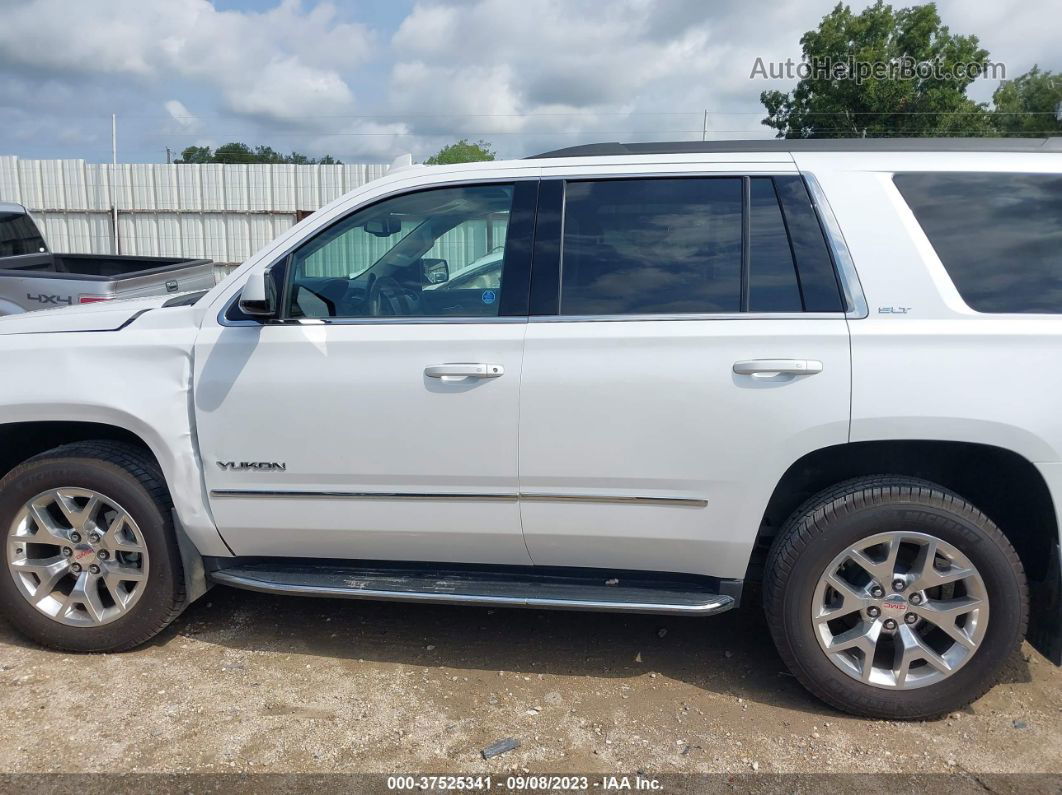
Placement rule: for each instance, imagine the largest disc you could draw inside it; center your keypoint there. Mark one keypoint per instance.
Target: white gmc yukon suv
(629, 377)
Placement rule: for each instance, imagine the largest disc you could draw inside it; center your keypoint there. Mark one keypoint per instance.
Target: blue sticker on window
(489, 297)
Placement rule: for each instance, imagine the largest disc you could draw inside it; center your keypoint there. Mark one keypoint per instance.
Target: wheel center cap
(83, 554)
(895, 602)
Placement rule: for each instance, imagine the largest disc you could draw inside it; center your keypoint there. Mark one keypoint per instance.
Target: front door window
(436, 253)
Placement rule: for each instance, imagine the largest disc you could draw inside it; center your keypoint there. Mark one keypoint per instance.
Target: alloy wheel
(900, 610)
(77, 556)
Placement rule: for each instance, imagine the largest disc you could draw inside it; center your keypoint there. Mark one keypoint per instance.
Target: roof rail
(615, 148)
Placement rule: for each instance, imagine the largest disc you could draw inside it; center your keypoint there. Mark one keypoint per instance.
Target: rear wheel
(895, 598)
(91, 558)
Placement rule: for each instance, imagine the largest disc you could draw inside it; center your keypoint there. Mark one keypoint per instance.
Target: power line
(568, 114)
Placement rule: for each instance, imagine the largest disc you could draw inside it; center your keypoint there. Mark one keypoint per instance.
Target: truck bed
(46, 280)
(90, 267)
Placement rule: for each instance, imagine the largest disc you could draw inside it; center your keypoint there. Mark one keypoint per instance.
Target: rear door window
(676, 246)
(653, 246)
(773, 285)
(999, 235)
(19, 235)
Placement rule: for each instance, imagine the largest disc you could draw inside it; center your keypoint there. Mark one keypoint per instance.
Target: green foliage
(461, 152)
(236, 152)
(823, 106)
(196, 154)
(1028, 105)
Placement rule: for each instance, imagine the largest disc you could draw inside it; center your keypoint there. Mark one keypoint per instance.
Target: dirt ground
(252, 683)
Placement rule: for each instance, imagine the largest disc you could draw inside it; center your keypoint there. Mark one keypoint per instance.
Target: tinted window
(436, 253)
(773, 285)
(998, 235)
(18, 235)
(818, 280)
(652, 246)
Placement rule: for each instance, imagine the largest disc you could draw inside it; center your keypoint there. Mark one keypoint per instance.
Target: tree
(917, 90)
(195, 154)
(461, 152)
(236, 152)
(1029, 105)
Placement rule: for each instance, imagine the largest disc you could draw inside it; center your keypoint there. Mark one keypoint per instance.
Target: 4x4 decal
(49, 299)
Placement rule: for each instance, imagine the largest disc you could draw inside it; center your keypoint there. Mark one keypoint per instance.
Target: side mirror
(259, 296)
(436, 271)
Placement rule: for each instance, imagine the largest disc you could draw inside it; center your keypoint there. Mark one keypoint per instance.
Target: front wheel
(894, 598)
(91, 558)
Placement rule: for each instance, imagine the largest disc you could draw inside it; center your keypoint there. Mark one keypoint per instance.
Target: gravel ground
(248, 683)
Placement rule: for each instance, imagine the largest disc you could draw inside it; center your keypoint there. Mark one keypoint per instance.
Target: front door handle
(463, 370)
(756, 367)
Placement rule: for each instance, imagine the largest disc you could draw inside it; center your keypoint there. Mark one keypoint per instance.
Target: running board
(474, 588)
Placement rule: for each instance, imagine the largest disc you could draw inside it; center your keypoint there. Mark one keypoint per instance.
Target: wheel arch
(20, 441)
(26, 434)
(988, 476)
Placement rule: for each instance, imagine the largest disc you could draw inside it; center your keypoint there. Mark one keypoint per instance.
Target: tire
(825, 530)
(129, 484)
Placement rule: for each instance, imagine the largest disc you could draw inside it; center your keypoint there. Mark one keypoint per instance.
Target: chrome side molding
(356, 495)
(691, 502)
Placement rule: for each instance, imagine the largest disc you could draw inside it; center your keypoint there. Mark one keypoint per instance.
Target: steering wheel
(387, 297)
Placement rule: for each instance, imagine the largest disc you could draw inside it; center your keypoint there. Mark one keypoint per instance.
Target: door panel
(328, 434)
(653, 409)
(380, 461)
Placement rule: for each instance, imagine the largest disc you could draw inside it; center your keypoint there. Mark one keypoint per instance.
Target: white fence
(223, 212)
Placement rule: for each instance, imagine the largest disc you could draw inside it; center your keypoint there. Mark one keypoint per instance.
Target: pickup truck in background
(32, 278)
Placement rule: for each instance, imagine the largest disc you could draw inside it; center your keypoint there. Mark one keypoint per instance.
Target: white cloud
(526, 75)
(285, 63)
(578, 70)
(562, 72)
(286, 89)
(181, 115)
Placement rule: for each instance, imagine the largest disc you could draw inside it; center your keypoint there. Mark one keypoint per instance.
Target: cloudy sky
(366, 80)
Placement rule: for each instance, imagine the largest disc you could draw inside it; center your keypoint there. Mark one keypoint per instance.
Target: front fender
(138, 380)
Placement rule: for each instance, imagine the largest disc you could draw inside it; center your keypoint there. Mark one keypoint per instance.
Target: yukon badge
(258, 466)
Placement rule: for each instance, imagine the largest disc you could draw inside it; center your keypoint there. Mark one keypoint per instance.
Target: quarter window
(998, 235)
(436, 253)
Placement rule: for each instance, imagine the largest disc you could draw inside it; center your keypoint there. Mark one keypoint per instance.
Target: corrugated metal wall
(223, 212)
(461, 247)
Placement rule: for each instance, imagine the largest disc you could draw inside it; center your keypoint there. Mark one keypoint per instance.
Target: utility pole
(1058, 111)
(114, 170)
(704, 126)
(167, 156)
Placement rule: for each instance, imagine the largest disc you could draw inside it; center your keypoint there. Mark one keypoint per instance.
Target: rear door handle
(464, 370)
(778, 367)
